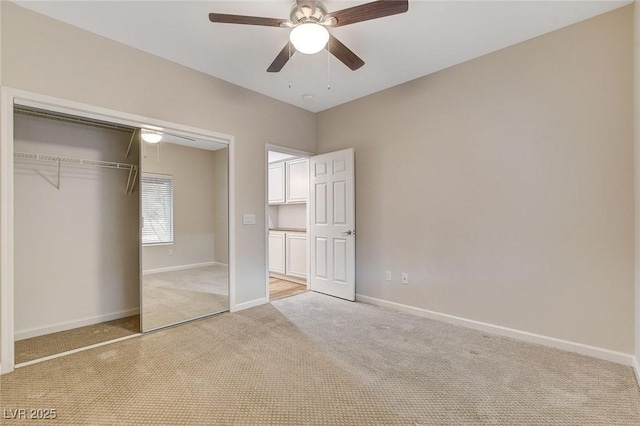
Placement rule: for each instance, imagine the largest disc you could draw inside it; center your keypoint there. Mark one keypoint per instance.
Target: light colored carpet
(55, 343)
(176, 296)
(281, 288)
(212, 279)
(313, 359)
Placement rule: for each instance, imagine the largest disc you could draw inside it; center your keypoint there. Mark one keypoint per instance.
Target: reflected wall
(185, 276)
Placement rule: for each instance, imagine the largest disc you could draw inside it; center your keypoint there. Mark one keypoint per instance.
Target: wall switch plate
(387, 276)
(249, 219)
(405, 278)
(170, 252)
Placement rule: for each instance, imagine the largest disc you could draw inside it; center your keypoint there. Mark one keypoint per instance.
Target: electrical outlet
(387, 276)
(405, 278)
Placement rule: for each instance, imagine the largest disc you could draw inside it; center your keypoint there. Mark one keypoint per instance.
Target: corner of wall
(636, 146)
(1, 4)
(636, 369)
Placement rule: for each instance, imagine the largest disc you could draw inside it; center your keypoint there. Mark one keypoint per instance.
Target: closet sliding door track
(41, 113)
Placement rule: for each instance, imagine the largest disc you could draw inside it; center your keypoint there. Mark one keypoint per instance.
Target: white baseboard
(249, 304)
(593, 351)
(179, 268)
(34, 332)
(636, 369)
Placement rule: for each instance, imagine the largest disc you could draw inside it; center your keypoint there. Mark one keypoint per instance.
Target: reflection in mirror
(184, 208)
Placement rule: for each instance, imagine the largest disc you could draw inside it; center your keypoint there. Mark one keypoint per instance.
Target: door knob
(349, 232)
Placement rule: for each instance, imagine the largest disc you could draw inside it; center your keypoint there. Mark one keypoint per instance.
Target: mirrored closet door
(184, 229)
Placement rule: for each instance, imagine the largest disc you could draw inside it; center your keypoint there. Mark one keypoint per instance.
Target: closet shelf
(132, 168)
(75, 161)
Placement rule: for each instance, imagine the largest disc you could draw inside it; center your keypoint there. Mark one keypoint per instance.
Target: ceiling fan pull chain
(290, 66)
(328, 68)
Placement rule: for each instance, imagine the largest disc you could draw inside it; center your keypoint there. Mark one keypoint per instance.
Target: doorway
(317, 252)
(286, 222)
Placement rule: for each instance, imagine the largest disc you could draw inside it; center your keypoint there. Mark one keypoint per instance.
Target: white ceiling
(431, 36)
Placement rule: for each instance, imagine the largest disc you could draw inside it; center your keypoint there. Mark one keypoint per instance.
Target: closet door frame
(10, 97)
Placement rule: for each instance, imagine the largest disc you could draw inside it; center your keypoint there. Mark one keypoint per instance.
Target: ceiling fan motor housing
(300, 14)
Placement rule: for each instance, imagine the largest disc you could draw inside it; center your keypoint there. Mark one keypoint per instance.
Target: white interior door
(332, 240)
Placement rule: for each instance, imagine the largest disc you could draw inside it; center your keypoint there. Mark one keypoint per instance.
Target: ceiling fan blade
(282, 58)
(368, 11)
(344, 54)
(311, 4)
(246, 20)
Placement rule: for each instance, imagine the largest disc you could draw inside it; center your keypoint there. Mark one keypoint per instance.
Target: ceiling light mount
(308, 36)
(151, 136)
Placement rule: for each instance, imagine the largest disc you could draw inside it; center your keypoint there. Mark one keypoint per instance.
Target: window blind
(157, 208)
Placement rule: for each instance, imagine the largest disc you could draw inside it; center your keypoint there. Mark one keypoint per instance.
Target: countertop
(288, 229)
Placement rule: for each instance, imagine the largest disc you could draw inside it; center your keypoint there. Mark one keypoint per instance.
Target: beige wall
(504, 186)
(45, 56)
(76, 248)
(194, 208)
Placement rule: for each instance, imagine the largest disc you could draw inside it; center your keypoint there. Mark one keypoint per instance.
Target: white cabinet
(289, 181)
(276, 183)
(277, 252)
(288, 254)
(288, 189)
(296, 254)
(297, 180)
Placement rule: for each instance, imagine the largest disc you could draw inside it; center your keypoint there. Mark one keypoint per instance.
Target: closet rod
(81, 162)
(74, 161)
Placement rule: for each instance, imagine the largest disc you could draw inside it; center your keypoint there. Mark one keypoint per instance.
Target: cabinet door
(297, 180)
(296, 255)
(276, 252)
(276, 183)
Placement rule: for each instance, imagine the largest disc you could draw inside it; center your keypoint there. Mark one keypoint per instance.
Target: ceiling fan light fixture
(150, 136)
(309, 37)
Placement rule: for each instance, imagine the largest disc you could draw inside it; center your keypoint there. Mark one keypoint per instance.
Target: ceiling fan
(309, 20)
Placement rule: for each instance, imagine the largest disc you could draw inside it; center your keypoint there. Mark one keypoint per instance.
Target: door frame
(11, 96)
(284, 150)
